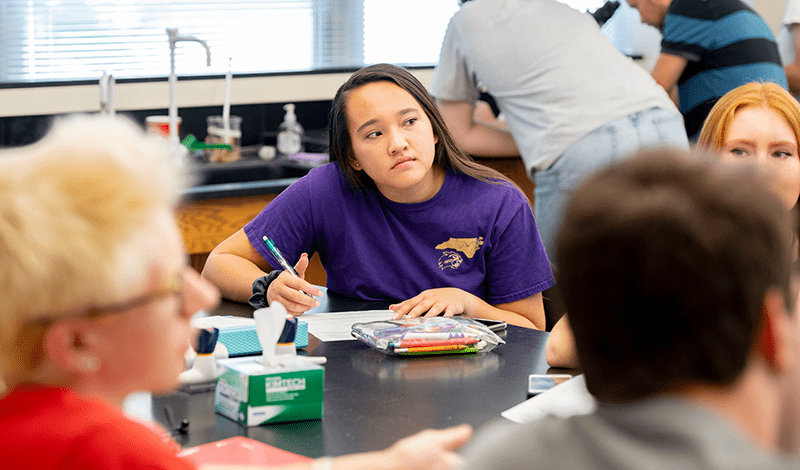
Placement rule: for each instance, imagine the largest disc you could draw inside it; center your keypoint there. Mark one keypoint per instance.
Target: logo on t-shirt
(451, 258)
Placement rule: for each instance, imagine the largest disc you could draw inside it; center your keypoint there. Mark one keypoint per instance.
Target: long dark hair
(446, 155)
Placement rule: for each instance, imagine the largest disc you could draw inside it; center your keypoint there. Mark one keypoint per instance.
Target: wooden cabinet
(514, 169)
(205, 223)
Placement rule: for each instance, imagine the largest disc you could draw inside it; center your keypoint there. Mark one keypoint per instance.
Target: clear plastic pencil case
(423, 336)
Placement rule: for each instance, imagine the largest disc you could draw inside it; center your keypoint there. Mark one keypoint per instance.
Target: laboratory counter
(370, 399)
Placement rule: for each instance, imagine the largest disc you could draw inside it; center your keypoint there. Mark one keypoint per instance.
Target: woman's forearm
(232, 274)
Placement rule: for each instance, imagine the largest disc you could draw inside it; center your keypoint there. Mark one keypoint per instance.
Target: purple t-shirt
(473, 235)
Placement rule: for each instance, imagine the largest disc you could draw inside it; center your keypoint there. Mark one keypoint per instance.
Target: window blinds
(76, 40)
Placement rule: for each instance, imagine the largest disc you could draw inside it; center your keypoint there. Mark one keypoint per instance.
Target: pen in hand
(278, 256)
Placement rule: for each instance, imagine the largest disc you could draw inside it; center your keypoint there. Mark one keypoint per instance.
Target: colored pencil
(447, 347)
(412, 343)
(466, 350)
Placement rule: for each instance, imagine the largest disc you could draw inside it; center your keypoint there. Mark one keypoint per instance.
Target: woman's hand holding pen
(290, 290)
(446, 301)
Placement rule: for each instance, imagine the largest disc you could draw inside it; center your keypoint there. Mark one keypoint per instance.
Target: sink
(248, 169)
(243, 171)
(250, 175)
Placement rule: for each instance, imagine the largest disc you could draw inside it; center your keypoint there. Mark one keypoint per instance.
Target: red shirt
(49, 428)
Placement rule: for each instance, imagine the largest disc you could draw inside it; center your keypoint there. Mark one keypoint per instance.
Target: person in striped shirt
(709, 47)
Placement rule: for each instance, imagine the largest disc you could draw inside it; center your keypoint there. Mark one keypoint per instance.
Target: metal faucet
(173, 79)
(107, 93)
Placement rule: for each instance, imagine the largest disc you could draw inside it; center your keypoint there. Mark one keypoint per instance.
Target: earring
(88, 364)
(358, 165)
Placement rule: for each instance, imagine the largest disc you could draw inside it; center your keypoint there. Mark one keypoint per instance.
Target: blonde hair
(715, 128)
(76, 221)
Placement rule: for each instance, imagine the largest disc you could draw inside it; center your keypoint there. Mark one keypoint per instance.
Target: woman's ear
(354, 163)
(71, 345)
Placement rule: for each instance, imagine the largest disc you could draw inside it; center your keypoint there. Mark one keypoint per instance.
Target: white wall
(771, 11)
(154, 95)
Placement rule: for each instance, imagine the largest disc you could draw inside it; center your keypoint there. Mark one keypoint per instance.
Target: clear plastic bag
(427, 336)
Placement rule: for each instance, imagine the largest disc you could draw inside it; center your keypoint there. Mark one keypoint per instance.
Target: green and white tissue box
(251, 395)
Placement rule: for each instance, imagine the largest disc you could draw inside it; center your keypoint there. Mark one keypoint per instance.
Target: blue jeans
(613, 142)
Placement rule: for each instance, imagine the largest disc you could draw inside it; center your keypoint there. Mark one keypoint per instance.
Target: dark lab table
(371, 400)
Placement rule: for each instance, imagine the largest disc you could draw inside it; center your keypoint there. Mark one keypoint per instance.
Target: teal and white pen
(285, 264)
(278, 256)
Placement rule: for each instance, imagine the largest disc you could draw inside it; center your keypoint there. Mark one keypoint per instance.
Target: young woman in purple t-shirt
(393, 154)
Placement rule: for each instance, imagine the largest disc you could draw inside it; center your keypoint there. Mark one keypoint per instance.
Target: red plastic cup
(160, 125)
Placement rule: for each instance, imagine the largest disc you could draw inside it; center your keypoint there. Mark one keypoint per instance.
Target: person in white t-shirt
(572, 102)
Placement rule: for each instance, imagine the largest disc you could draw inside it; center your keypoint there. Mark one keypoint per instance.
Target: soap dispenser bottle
(290, 133)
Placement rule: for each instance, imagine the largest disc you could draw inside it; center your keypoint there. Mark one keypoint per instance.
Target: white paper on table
(222, 322)
(336, 326)
(569, 398)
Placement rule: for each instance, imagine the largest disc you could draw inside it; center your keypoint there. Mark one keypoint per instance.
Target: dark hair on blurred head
(447, 154)
(664, 263)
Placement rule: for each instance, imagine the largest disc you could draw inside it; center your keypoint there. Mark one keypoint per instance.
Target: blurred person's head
(97, 296)
(652, 12)
(758, 123)
(676, 274)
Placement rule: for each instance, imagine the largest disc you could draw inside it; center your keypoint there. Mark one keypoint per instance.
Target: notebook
(566, 399)
(240, 450)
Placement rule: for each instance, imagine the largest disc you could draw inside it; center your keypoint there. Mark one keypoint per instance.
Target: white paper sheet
(568, 398)
(336, 326)
(221, 322)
